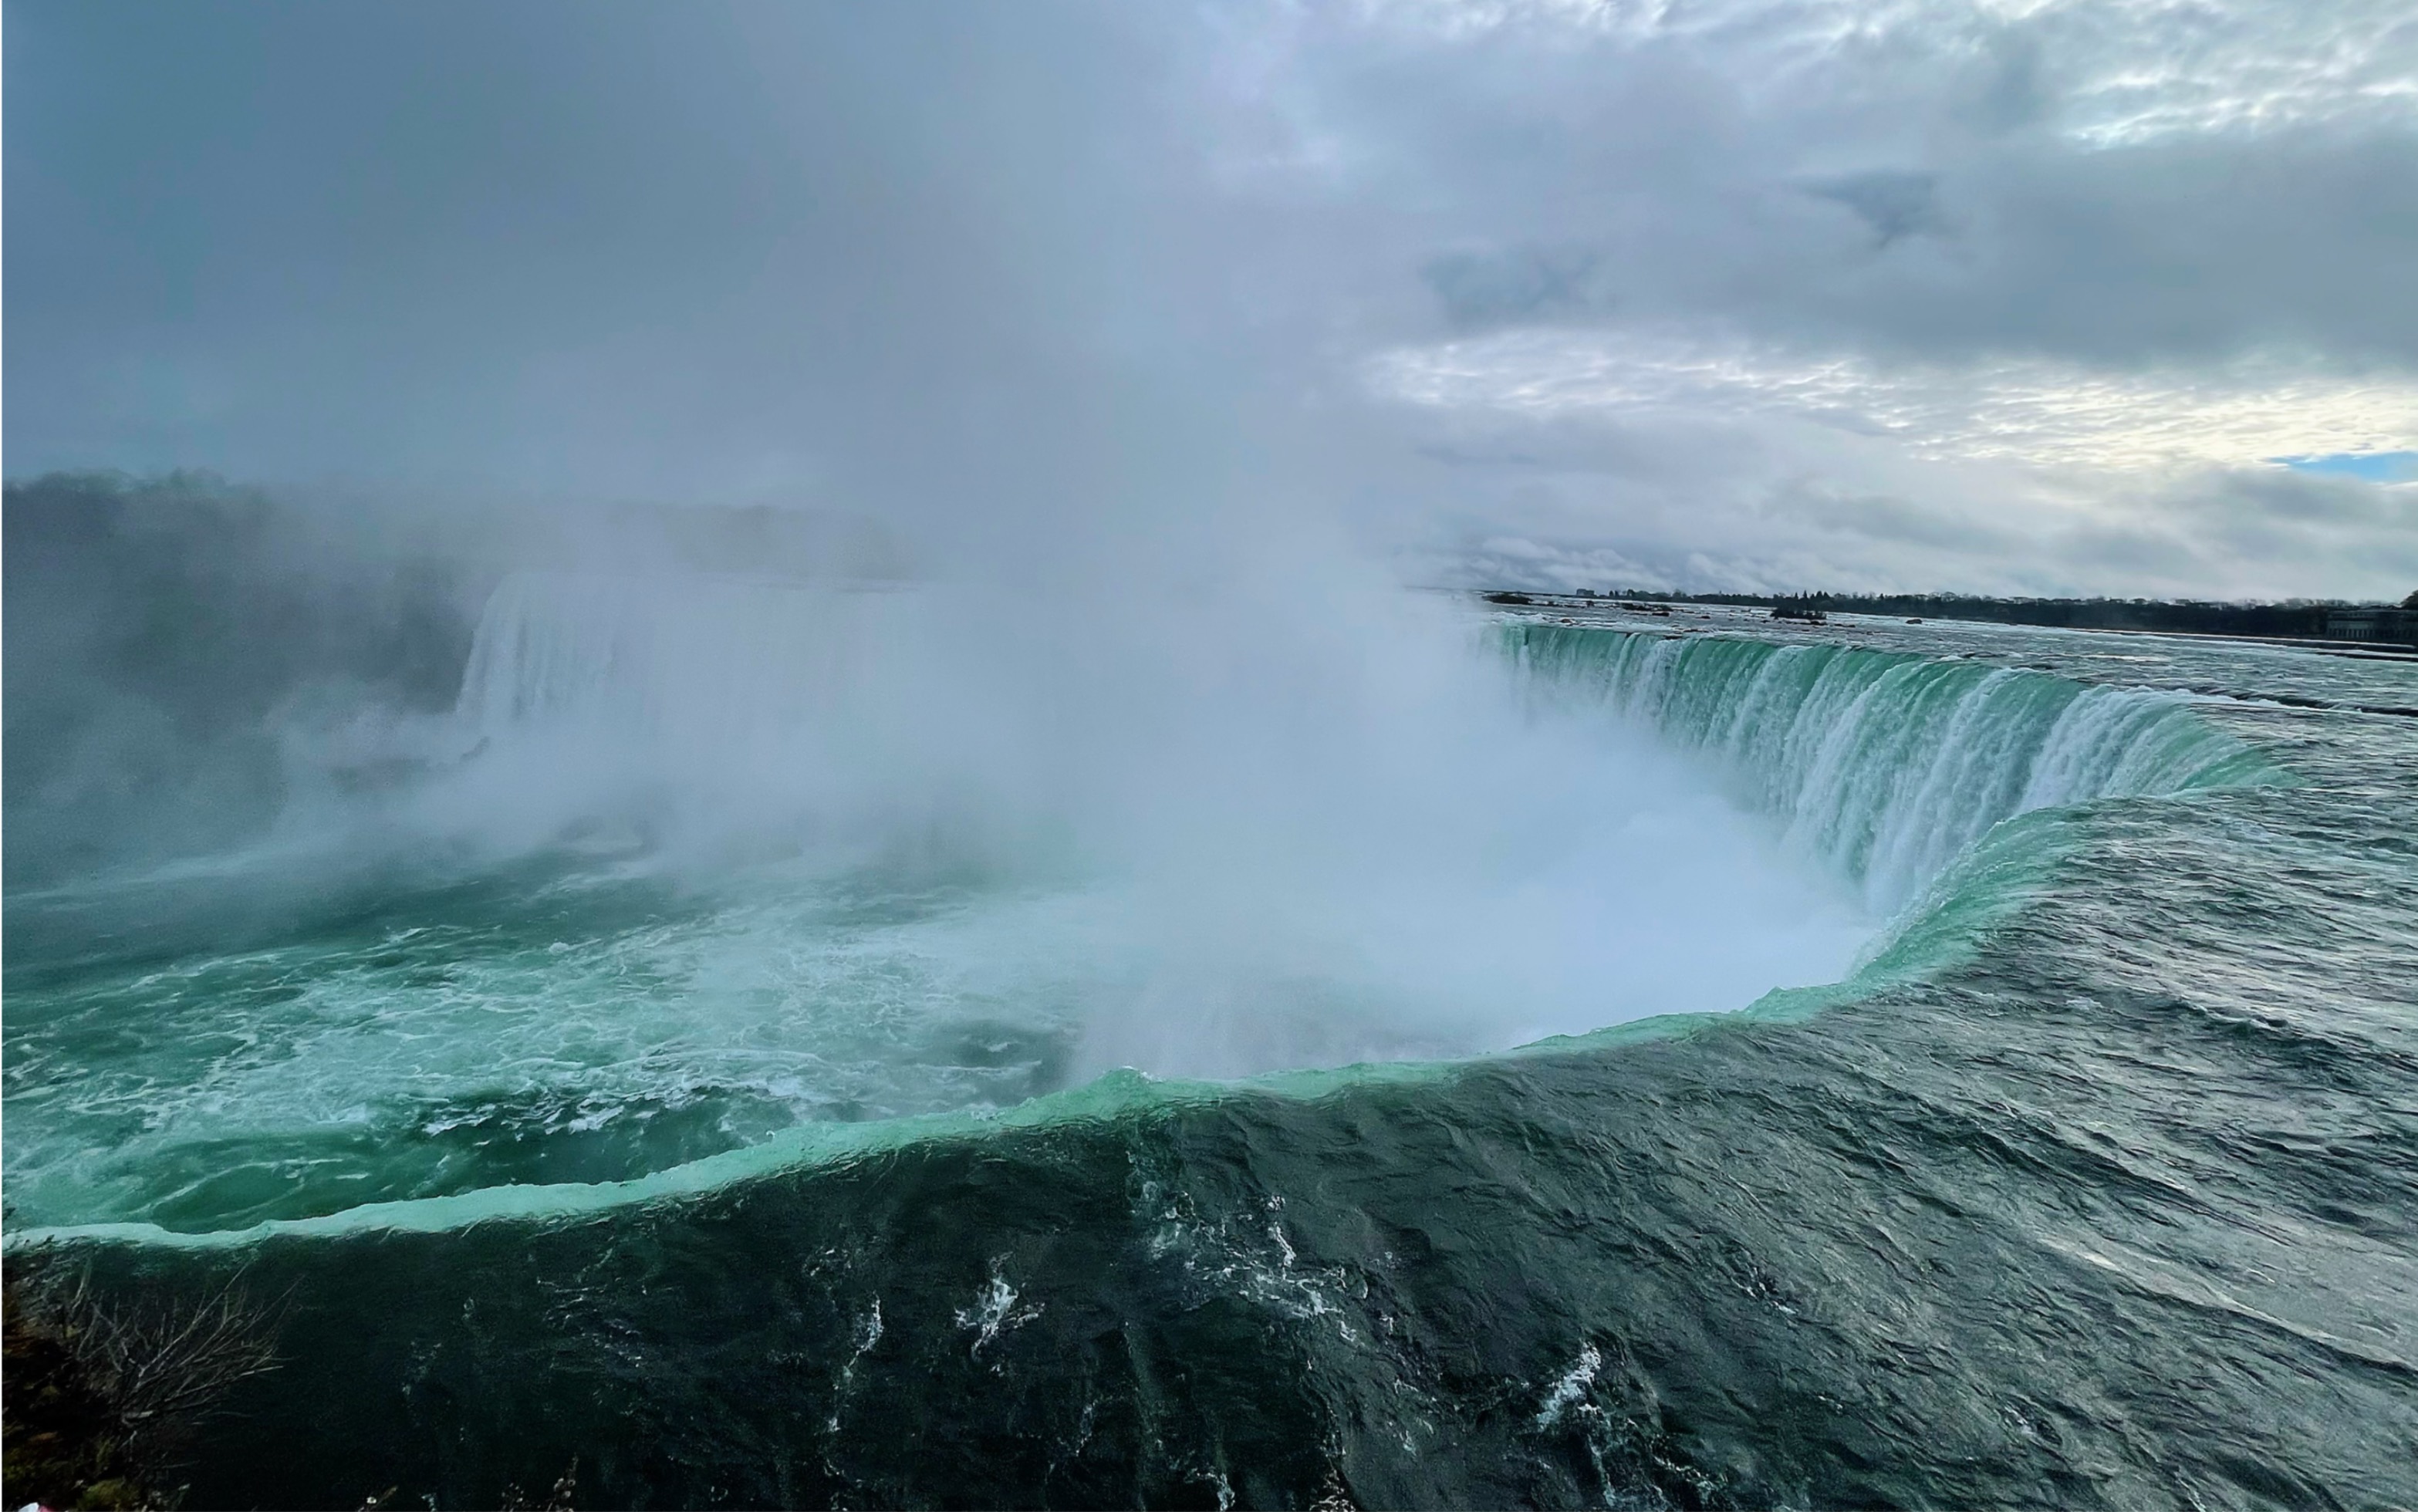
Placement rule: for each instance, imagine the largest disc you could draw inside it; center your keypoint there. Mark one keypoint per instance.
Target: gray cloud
(1894, 204)
(619, 250)
(1708, 177)
(1523, 283)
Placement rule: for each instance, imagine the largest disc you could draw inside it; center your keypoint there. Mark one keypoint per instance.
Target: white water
(745, 855)
(1886, 767)
(1311, 862)
(792, 854)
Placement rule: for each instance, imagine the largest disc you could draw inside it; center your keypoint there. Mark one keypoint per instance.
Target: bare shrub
(166, 1365)
(104, 1393)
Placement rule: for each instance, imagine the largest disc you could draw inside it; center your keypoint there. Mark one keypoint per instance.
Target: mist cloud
(1092, 290)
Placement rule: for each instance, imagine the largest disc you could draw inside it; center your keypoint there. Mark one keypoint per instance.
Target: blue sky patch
(2376, 467)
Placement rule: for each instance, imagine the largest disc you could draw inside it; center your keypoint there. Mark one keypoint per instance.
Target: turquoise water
(2087, 1174)
(1889, 765)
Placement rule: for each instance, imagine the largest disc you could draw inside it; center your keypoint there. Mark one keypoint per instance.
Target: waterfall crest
(718, 659)
(1887, 765)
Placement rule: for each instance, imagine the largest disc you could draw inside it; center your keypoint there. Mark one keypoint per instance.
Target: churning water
(770, 1088)
(759, 887)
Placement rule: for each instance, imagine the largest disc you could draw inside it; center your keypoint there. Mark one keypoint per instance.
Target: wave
(1888, 766)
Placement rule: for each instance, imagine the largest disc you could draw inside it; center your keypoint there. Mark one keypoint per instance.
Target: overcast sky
(2117, 296)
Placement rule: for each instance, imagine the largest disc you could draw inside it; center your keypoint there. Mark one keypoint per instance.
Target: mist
(994, 542)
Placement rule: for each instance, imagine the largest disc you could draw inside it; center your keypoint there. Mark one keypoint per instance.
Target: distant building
(2393, 626)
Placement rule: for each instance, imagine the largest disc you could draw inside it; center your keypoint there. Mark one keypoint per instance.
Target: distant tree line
(2292, 621)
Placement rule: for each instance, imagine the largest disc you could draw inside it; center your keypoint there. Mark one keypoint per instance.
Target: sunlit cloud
(2038, 412)
(2107, 73)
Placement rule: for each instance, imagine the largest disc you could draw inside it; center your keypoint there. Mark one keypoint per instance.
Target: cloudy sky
(2033, 296)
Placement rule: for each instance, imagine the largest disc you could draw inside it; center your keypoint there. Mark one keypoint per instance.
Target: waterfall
(719, 667)
(1887, 765)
